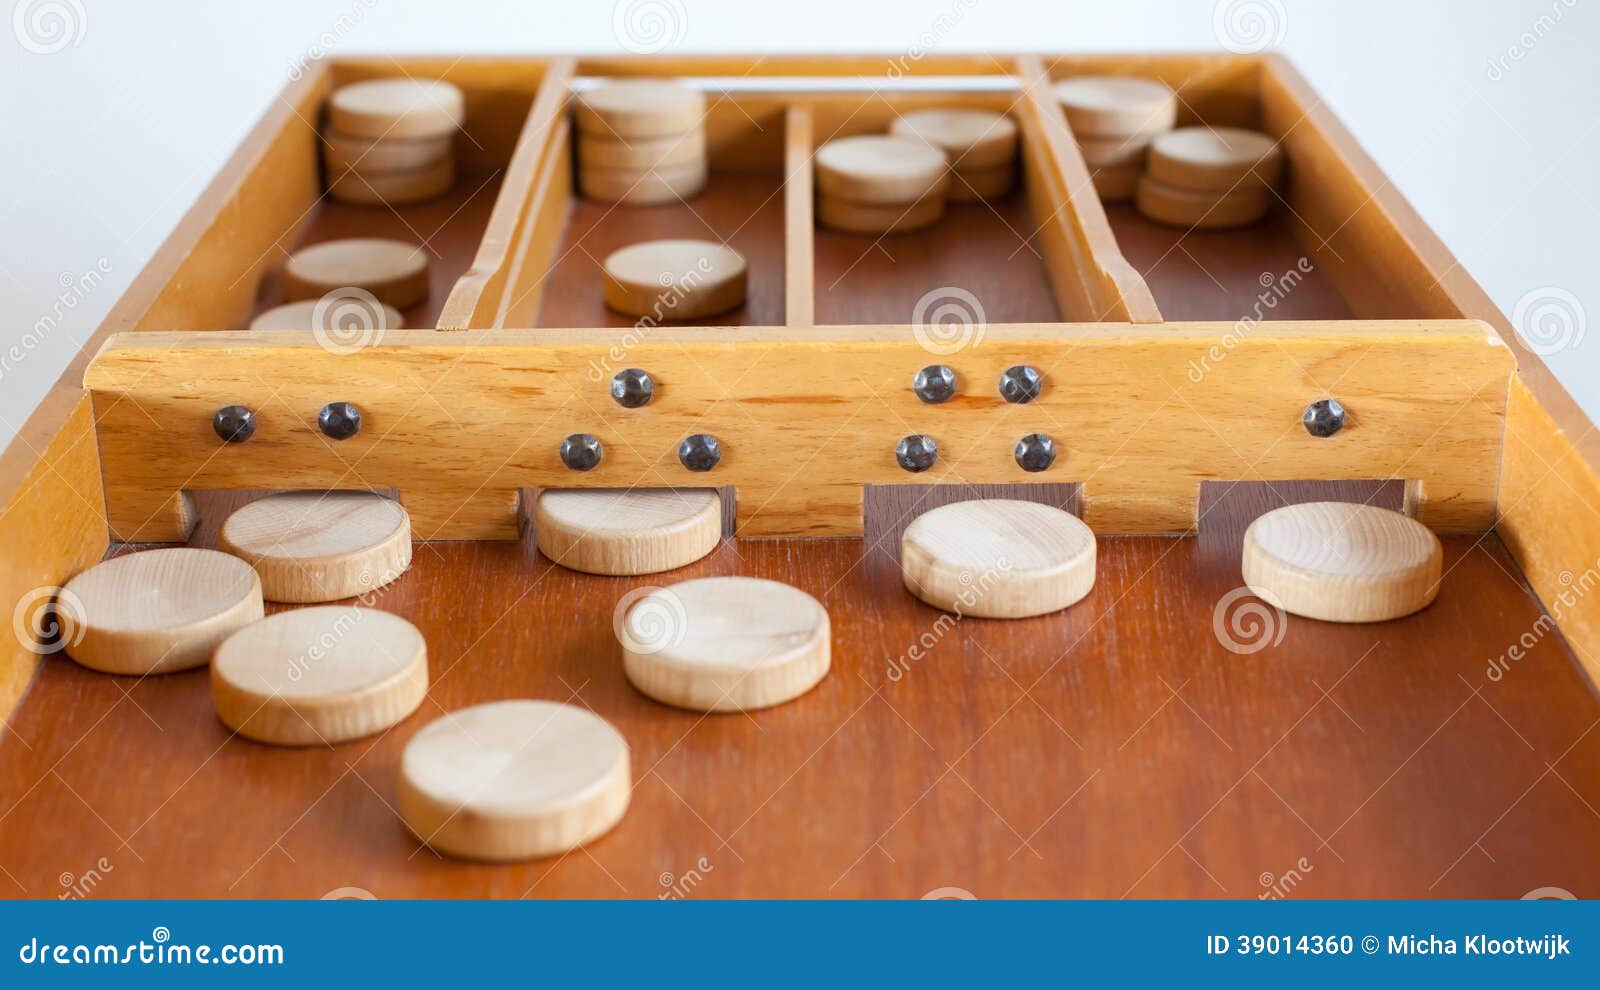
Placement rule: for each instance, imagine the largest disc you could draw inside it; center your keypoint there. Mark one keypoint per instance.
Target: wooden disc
(1117, 152)
(641, 531)
(329, 313)
(345, 152)
(971, 139)
(998, 558)
(1201, 210)
(514, 780)
(632, 109)
(595, 151)
(1116, 184)
(1117, 106)
(360, 188)
(323, 675)
(879, 218)
(646, 187)
(725, 644)
(674, 279)
(396, 108)
(880, 169)
(971, 184)
(394, 271)
(157, 611)
(1214, 159)
(320, 546)
(1342, 562)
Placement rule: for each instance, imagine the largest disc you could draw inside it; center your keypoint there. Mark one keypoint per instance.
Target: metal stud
(1020, 383)
(1036, 452)
(234, 424)
(581, 451)
(935, 384)
(339, 420)
(917, 452)
(699, 452)
(1323, 418)
(632, 387)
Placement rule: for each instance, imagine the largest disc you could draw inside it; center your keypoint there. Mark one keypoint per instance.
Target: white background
(1485, 113)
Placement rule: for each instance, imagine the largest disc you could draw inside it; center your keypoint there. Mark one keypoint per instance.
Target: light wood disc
(342, 152)
(514, 780)
(394, 271)
(1116, 184)
(1116, 106)
(322, 675)
(1214, 159)
(320, 546)
(1116, 152)
(879, 218)
(674, 279)
(641, 531)
(998, 558)
(972, 139)
(331, 312)
(725, 644)
(400, 188)
(396, 108)
(595, 151)
(643, 187)
(157, 611)
(1342, 562)
(1201, 210)
(632, 109)
(990, 182)
(880, 169)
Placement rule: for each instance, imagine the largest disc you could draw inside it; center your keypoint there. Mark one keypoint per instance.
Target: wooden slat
(806, 423)
(799, 251)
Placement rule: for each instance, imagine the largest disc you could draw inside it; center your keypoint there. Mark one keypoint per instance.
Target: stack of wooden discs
(980, 144)
(880, 184)
(1209, 177)
(641, 142)
(391, 141)
(1115, 118)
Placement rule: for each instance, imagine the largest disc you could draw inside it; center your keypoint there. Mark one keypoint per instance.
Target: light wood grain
(402, 108)
(320, 546)
(627, 532)
(799, 248)
(970, 139)
(647, 187)
(1215, 158)
(396, 272)
(1116, 106)
(343, 152)
(872, 219)
(675, 279)
(399, 188)
(1190, 210)
(998, 558)
(880, 169)
(640, 109)
(335, 311)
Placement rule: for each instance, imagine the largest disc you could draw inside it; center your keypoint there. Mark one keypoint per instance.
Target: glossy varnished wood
(1115, 749)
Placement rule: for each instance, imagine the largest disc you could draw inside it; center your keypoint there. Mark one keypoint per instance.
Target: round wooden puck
(346, 152)
(321, 675)
(1214, 159)
(643, 187)
(998, 558)
(879, 218)
(971, 184)
(320, 546)
(1117, 152)
(595, 151)
(1201, 210)
(393, 271)
(1342, 562)
(627, 532)
(156, 611)
(632, 109)
(1116, 106)
(514, 780)
(725, 644)
(880, 169)
(396, 108)
(971, 139)
(330, 313)
(361, 188)
(1116, 184)
(674, 279)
